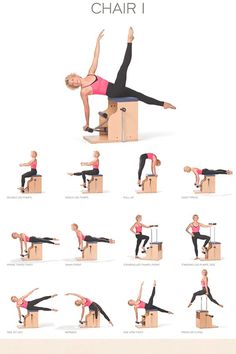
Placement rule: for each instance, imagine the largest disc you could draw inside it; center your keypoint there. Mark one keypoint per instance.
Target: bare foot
(130, 35)
(85, 127)
(54, 310)
(170, 313)
(54, 295)
(190, 304)
(112, 241)
(21, 188)
(196, 258)
(70, 173)
(111, 323)
(83, 185)
(168, 105)
(229, 172)
(221, 305)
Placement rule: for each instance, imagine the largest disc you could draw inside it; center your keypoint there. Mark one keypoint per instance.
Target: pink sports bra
(24, 304)
(88, 302)
(199, 171)
(80, 236)
(150, 155)
(26, 238)
(138, 229)
(99, 86)
(96, 165)
(195, 228)
(141, 305)
(33, 164)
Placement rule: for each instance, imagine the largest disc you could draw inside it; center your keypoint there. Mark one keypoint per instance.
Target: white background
(183, 53)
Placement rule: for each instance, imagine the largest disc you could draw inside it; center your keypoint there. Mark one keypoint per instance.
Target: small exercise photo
(93, 184)
(92, 318)
(150, 317)
(206, 184)
(211, 249)
(88, 245)
(30, 318)
(119, 122)
(149, 183)
(203, 318)
(34, 184)
(151, 247)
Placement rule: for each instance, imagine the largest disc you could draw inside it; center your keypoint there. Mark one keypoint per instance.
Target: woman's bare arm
(140, 292)
(203, 225)
(188, 228)
(19, 313)
(136, 313)
(88, 163)
(82, 314)
(77, 295)
(132, 229)
(197, 178)
(94, 65)
(31, 292)
(27, 163)
(84, 96)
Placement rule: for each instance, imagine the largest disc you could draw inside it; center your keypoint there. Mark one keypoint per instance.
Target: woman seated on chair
(33, 172)
(94, 172)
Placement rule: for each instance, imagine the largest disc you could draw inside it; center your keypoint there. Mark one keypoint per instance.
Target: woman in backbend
(205, 172)
(86, 238)
(205, 290)
(148, 306)
(92, 306)
(95, 85)
(30, 305)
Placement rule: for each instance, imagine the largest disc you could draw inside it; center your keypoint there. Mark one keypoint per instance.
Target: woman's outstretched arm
(27, 163)
(140, 292)
(80, 296)
(94, 65)
(31, 292)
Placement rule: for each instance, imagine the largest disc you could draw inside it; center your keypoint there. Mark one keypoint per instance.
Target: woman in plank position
(30, 305)
(196, 235)
(137, 229)
(93, 306)
(33, 165)
(205, 172)
(94, 172)
(148, 306)
(142, 161)
(81, 238)
(205, 290)
(24, 239)
(95, 85)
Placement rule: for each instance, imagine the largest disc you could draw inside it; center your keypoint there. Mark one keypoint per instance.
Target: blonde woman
(87, 238)
(94, 172)
(155, 162)
(30, 305)
(24, 240)
(93, 306)
(137, 229)
(204, 172)
(95, 85)
(148, 306)
(33, 165)
(193, 229)
(205, 290)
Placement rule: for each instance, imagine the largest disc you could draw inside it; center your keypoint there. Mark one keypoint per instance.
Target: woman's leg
(36, 301)
(206, 238)
(96, 239)
(99, 309)
(139, 240)
(142, 161)
(26, 175)
(211, 298)
(38, 308)
(150, 302)
(194, 239)
(207, 172)
(145, 238)
(155, 308)
(81, 174)
(122, 73)
(41, 240)
(141, 97)
(197, 293)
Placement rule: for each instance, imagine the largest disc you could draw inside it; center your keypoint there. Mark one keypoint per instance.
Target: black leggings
(198, 236)
(149, 306)
(89, 238)
(118, 89)
(93, 172)
(142, 161)
(140, 238)
(34, 239)
(203, 292)
(31, 304)
(31, 173)
(97, 308)
(207, 172)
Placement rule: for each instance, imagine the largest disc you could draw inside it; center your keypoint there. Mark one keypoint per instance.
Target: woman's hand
(101, 34)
